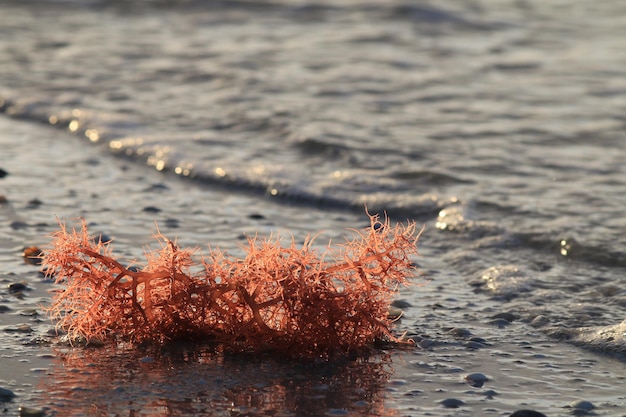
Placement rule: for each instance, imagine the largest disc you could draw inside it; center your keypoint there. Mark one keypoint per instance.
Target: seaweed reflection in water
(188, 380)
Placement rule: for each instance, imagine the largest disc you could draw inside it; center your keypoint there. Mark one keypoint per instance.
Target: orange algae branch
(293, 301)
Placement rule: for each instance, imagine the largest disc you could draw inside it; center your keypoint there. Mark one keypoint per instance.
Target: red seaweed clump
(292, 301)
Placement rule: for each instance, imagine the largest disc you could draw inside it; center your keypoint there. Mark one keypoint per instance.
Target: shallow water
(498, 126)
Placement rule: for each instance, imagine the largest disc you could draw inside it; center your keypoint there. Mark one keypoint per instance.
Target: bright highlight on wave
(288, 300)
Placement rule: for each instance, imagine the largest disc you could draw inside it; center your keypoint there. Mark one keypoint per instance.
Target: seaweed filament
(293, 301)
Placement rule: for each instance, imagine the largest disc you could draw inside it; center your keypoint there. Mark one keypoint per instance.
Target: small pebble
(156, 187)
(394, 313)
(398, 382)
(479, 340)
(401, 304)
(460, 332)
(527, 413)
(539, 321)
(34, 203)
(582, 405)
(101, 237)
(473, 345)
(17, 225)
(172, 223)
(476, 379)
(20, 328)
(31, 312)
(17, 287)
(55, 332)
(3, 173)
(6, 394)
(337, 412)
(32, 255)
(452, 403)
(510, 317)
(151, 209)
(490, 393)
(499, 322)
(426, 343)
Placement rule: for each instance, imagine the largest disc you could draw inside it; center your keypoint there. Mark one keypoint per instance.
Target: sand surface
(52, 175)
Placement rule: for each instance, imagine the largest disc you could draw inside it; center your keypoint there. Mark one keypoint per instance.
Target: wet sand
(458, 332)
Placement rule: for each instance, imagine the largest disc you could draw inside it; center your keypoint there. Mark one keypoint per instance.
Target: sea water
(498, 125)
